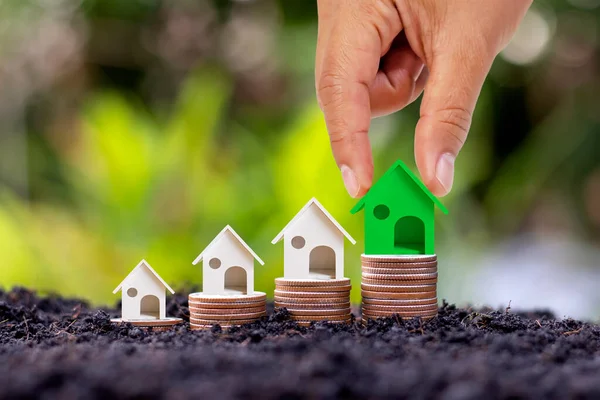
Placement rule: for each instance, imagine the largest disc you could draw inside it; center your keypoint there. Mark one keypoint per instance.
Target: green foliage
(161, 190)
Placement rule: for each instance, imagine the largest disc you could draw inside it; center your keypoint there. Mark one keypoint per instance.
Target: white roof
(144, 263)
(239, 239)
(323, 210)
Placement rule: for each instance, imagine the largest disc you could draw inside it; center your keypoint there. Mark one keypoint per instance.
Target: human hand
(374, 57)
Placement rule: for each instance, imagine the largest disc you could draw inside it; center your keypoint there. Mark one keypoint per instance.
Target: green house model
(399, 214)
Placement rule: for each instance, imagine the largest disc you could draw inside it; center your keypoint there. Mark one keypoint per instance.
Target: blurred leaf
(19, 263)
(535, 163)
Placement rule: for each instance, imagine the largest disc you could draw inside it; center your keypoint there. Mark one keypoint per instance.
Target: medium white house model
(313, 244)
(228, 265)
(143, 294)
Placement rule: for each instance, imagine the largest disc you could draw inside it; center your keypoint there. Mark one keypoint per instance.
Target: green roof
(392, 169)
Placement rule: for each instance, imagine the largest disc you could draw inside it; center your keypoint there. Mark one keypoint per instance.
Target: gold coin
(315, 301)
(227, 317)
(399, 277)
(423, 317)
(398, 309)
(399, 302)
(368, 294)
(312, 306)
(312, 295)
(406, 314)
(225, 311)
(320, 317)
(311, 313)
(398, 259)
(398, 271)
(158, 328)
(405, 288)
(215, 298)
(345, 288)
(227, 306)
(312, 282)
(147, 323)
(384, 282)
(224, 321)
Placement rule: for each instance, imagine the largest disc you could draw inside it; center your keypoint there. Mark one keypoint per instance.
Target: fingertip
(439, 182)
(357, 183)
(435, 154)
(437, 189)
(365, 185)
(350, 181)
(444, 173)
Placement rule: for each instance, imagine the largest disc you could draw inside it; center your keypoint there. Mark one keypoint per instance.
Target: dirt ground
(54, 348)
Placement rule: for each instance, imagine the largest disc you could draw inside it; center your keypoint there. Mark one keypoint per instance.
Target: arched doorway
(150, 307)
(236, 281)
(322, 263)
(409, 235)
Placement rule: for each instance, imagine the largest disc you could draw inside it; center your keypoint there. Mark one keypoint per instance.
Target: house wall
(317, 230)
(231, 254)
(404, 198)
(145, 283)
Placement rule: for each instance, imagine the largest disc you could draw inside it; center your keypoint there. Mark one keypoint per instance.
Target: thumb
(455, 81)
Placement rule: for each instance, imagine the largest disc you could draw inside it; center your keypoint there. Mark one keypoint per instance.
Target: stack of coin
(207, 310)
(313, 300)
(405, 286)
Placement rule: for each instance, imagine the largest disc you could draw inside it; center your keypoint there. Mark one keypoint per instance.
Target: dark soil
(57, 348)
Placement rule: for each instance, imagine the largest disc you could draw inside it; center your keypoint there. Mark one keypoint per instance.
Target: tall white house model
(313, 244)
(143, 298)
(228, 265)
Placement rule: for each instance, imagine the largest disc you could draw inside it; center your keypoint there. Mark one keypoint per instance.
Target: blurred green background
(138, 129)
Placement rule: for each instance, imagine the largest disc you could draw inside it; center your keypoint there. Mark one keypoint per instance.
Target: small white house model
(313, 244)
(143, 294)
(228, 265)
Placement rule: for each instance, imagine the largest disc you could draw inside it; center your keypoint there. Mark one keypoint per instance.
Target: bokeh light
(531, 39)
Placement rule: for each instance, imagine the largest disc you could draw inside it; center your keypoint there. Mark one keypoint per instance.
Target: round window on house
(214, 263)
(132, 292)
(381, 211)
(298, 242)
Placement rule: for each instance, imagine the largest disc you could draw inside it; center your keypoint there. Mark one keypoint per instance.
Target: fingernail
(413, 67)
(415, 71)
(444, 171)
(350, 181)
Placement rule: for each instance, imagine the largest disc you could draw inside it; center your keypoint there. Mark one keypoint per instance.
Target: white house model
(228, 265)
(313, 244)
(143, 294)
